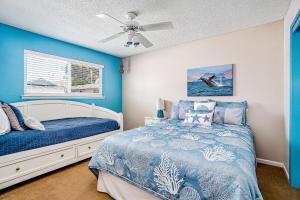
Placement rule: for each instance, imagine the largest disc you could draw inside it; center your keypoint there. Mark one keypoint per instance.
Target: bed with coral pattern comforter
(176, 160)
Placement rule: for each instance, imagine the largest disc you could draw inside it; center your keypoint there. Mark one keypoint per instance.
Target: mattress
(57, 131)
(176, 160)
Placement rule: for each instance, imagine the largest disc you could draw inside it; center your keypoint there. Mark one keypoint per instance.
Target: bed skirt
(120, 189)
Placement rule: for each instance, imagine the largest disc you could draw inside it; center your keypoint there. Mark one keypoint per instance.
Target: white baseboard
(269, 162)
(286, 172)
(274, 163)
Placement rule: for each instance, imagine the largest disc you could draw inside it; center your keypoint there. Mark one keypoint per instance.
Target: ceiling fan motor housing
(131, 15)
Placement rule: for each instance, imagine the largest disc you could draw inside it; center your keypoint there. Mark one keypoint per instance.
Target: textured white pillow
(4, 122)
(33, 123)
(204, 106)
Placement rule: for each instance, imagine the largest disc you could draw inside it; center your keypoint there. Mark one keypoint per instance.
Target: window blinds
(46, 74)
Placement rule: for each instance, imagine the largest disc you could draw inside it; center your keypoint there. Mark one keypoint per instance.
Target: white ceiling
(75, 21)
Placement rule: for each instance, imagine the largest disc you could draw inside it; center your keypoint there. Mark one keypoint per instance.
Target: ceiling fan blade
(144, 41)
(157, 26)
(112, 37)
(110, 18)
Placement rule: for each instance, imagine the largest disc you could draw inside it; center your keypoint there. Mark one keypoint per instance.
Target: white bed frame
(21, 166)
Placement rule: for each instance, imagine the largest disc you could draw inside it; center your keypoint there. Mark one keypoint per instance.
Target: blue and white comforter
(175, 160)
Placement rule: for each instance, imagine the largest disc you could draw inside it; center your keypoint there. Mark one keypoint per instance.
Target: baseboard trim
(274, 163)
(286, 172)
(270, 162)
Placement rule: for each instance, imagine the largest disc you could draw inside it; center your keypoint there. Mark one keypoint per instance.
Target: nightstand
(153, 120)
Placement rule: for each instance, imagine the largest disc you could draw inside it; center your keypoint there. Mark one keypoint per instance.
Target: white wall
(257, 55)
(290, 15)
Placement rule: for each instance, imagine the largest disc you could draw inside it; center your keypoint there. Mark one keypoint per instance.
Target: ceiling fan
(134, 29)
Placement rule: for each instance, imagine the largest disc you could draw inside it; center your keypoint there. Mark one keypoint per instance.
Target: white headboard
(58, 109)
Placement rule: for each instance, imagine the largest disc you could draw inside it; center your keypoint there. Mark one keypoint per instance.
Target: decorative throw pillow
(19, 116)
(14, 123)
(175, 112)
(233, 116)
(34, 123)
(204, 106)
(184, 107)
(4, 123)
(204, 119)
(230, 113)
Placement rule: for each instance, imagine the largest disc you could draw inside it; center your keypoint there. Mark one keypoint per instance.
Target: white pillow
(33, 123)
(4, 122)
(204, 119)
(204, 106)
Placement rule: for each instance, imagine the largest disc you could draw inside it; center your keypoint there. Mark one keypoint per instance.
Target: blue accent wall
(295, 104)
(13, 41)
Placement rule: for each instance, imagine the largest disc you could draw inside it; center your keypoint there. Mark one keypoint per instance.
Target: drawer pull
(62, 155)
(89, 147)
(18, 169)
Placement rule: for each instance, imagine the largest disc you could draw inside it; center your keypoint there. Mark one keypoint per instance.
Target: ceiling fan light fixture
(136, 41)
(132, 43)
(132, 40)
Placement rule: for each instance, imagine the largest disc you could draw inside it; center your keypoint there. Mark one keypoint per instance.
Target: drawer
(34, 164)
(88, 148)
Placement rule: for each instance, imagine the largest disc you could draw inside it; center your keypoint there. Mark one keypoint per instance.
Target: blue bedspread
(175, 160)
(57, 131)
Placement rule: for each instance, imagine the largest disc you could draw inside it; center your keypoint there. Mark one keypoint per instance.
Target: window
(53, 76)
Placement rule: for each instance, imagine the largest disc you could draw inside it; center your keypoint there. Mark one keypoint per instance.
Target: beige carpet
(76, 182)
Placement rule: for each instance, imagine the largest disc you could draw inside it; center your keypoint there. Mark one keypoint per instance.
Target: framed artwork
(210, 81)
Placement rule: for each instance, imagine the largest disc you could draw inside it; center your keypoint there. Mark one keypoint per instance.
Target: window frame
(59, 95)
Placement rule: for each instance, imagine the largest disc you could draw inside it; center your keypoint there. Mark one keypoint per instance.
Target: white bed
(175, 160)
(21, 166)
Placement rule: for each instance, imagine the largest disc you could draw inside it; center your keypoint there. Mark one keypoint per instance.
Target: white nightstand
(152, 120)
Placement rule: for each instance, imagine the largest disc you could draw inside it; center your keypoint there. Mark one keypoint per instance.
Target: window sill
(60, 96)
